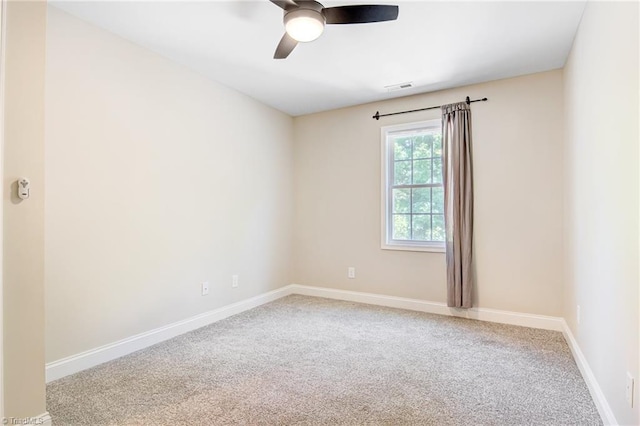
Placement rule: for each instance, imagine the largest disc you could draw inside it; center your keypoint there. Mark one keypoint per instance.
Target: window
(413, 195)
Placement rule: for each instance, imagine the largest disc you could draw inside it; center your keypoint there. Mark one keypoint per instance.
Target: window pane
(437, 145)
(421, 200)
(438, 227)
(401, 227)
(422, 227)
(422, 147)
(437, 170)
(437, 203)
(415, 202)
(401, 201)
(402, 172)
(402, 149)
(421, 171)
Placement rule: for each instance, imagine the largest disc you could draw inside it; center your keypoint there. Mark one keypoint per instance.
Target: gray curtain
(458, 202)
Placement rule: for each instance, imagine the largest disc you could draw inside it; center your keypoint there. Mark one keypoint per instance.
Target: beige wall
(23, 234)
(157, 179)
(601, 163)
(517, 148)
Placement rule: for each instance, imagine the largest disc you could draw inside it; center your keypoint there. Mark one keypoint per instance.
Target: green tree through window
(414, 192)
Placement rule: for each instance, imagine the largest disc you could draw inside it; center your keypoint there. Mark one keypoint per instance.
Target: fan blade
(285, 4)
(360, 14)
(285, 47)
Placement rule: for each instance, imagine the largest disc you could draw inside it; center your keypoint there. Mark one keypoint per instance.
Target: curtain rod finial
(377, 116)
(468, 101)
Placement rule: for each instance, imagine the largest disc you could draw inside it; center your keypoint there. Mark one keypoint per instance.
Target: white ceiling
(435, 45)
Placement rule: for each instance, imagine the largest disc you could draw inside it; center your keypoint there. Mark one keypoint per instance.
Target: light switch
(24, 188)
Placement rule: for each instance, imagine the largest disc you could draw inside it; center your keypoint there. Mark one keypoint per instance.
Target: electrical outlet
(205, 288)
(629, 389)
(578, 314)
(351, 272)
(234, 281)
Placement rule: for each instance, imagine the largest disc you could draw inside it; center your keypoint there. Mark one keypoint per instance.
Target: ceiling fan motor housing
(306, 22)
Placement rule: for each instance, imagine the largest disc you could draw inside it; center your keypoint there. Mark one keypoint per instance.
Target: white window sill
(423, 248)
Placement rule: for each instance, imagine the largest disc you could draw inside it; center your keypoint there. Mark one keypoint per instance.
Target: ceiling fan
(304, 20)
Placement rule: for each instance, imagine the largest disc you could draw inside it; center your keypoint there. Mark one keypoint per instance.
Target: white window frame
(387, 242)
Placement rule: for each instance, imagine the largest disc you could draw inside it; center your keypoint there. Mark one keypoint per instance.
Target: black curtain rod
(378, 115)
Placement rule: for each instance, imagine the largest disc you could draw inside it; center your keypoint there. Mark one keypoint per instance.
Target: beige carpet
(311, 361)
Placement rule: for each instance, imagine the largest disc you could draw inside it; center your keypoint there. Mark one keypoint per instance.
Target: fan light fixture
(304, 20)
(304, 24)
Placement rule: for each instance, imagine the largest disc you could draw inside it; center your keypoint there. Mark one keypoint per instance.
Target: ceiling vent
(400, 86)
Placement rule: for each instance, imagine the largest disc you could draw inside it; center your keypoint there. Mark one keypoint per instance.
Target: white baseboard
(594, 388)
(481, 314)
(75, 363)
(91, 358)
